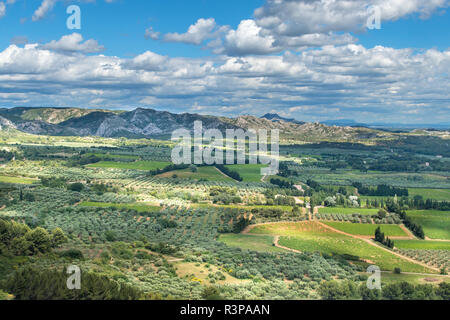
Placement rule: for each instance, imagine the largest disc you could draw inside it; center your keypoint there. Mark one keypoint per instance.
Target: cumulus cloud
(281, 25)
(330, 82)
(197, 33)
(74, 43)
(248, 40)
(299, 17)
(148, 61)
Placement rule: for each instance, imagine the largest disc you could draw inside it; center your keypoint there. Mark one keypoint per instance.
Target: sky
(312, 60)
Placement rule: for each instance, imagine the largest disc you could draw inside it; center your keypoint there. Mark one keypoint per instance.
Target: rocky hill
(140, 123)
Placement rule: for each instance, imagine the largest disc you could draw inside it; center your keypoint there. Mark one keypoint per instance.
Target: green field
(362, 211)
(250, 242)
(206, 173)
(137, 165)
(17, 180)
(310, 237)
(436, 224)
(435, 194)
(421, 244)
(139, 207)
(391, 230)
(389, 277)
(114, 156)
(248, 172)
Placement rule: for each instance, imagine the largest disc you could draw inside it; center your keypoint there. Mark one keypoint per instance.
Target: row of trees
(381, 190)
(392, 205)
(379, 237)
(231, 173)
(420, 204)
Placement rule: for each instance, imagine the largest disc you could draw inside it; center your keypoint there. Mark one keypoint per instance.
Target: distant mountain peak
(276, 118)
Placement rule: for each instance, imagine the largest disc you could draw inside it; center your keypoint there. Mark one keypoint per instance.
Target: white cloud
(74, 43)
(43, 9)
(247, 40)
(197, 33)
(151, 34)
(147, 61)
(2, 9)
(299, 17)
(281, 25)
(346, 81)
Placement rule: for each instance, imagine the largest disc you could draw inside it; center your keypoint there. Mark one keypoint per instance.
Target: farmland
(350, 211)
(251, 242)
(177, 232)
(18, 180)
(310, 237)
(137, 165)
(435, 194)
(201, 173)
(368, 229)
(248, 172)
(436, 224)
(139, 207)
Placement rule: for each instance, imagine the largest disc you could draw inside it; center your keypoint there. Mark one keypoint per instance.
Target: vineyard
(174, 232)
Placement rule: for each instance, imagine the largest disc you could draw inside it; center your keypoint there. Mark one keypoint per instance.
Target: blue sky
(121, 25)
(312, 60)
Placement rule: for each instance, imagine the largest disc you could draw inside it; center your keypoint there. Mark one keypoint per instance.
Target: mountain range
(149, 123)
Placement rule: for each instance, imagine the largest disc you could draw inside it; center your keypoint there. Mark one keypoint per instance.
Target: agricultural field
(310, 237)
(250, 242)
(436, 224)
(177, 233)
(139, 207)
(368, 229)
(202, 173)
(17, 180)
(248, 172)
(350, 211)
(389, 277)
(435, 194)
(137, 165)
(420, 244)
(113, 156)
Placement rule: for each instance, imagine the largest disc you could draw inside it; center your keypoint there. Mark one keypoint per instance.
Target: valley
(78, 188)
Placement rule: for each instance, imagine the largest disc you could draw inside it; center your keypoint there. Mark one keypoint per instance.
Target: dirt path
(408, 232)
(175, 260)
(372, 243)
(275, 241)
